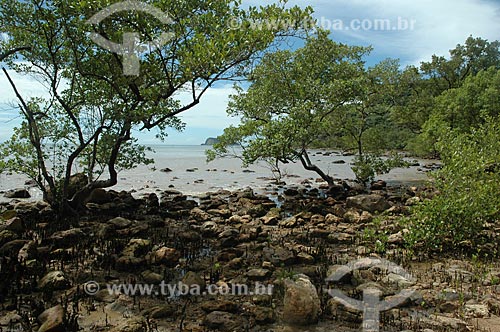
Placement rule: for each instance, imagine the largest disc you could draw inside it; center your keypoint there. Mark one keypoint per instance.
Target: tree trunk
(306, 163)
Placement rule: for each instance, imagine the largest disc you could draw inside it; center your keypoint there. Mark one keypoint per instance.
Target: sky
(416, 31)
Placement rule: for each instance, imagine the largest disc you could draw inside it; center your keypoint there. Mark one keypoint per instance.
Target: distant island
(211, 141)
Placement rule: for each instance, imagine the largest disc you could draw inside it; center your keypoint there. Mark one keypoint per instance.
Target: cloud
(210, 113)
(439, 25)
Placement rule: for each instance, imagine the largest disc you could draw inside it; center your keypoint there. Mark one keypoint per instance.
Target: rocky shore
(288, 248)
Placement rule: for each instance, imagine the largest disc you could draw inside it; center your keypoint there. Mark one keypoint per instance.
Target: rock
(288, 222)
(10, 318)
(166, 170)
(291, 192)
(398, 280)
(7, 236)
(263, 315)
(99, 196)
(278, 256)
(199, 215)
(55, 280)
(135, 324)
(51, 320)
(17, 193)
(378, 185)
(340, 273)
(209, 228)
(167, 256)
(352, 216)
(15, 225)
(223, 321)
(192, 278)
(396, 238)
(371, 203)
(12, 248)
(258, 274)
(133, 256)
(30, 183)
(440, 322)
(448, 307)
(76, 183)
(9, 214)
(477, 310)
(161, 311)
(27, 252)
(412, 201)
(211, 141)
(331, 219)
(151, 277)
(304, 258)
(67, 238)
(219, 305)
(120, 223)
(301, 302)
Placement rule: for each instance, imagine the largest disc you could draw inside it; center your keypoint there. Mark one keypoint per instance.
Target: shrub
(469, 191)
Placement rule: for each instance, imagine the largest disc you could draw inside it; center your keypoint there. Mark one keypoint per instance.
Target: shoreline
(231, 238)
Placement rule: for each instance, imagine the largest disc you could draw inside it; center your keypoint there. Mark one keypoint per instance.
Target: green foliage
(461, 109)
(292, 93)
(468, 188)
(319, 93)
(449, 93)
(86, 124)
(367, 166)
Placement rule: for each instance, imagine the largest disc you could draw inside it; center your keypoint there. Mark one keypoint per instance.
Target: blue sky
(437, 27)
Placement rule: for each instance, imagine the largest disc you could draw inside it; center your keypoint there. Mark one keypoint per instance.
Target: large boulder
(51, 320)
(371, 203)
(302, 306)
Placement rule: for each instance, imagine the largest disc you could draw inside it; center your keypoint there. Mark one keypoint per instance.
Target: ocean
(191, 174)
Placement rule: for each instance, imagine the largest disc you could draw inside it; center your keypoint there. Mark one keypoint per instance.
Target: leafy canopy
(86, 123)
(284, 110)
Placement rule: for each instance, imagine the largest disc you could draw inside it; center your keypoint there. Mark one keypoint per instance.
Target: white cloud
(440, 25)
(211, 111)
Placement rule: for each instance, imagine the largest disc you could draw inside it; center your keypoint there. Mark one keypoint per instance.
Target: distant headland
(211, 141)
